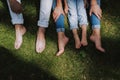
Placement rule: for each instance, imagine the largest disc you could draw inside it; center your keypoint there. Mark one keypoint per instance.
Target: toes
(100, 49)
(18, 44)
(60, 52)
(40, 46)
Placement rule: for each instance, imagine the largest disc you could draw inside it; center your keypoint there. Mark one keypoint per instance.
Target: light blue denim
(44, 14)
(95, 22)
(15, 18)
(60, 21)
(77, 13)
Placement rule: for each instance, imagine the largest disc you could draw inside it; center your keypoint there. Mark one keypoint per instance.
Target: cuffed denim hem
(96, 27)
(17, 21)
(43, 24)
(73, 28)
(60, 29)
(83, 24)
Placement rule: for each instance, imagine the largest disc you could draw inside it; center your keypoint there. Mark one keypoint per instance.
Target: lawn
(84, 64)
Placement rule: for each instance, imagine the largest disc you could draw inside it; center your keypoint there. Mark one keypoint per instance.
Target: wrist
(93, 3)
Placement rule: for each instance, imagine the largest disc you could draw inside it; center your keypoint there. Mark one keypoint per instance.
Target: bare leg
(77, 39)
(95, 37)
(84, 35)
(62, 41)
(20, 31)
(40, 42)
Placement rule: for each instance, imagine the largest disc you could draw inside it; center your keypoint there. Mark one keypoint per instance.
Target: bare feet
(20, 31)
(84, 42)
(77, 42)
(61, 44)
(84, 35)
(97, 42)
(77, 39)
(40, 42)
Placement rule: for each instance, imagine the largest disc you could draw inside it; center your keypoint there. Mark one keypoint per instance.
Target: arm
(58, 10)
(65, 6)
(95, 8)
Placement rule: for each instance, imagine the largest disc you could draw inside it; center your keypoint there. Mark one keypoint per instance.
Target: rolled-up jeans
(44, 15)
(77, 13)
(95, 22)
(15, 18)
(60, 21)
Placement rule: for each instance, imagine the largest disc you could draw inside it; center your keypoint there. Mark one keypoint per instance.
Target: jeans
(15, 18)
(60, 21)
(44, 15)
(77, 13)
(95, 22)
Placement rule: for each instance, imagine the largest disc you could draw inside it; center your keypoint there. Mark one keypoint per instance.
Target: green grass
(84, 64)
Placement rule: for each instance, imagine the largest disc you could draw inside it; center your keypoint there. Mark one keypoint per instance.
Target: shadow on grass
(105, 66)
(12, 68)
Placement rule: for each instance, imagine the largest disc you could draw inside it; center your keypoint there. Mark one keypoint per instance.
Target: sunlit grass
(84, 64)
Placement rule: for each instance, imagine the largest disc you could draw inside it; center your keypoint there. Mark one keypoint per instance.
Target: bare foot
(61, 44)
(77, 43)
(84, 42)
(97, 42)
(19, 33)
(40, 43)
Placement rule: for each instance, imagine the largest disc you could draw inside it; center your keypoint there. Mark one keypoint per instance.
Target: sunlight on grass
(84, 64)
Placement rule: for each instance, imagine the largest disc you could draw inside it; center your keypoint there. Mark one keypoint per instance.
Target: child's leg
(82, 18)
(62, 39)
(73, 21)
(17, 20)
(95, 37)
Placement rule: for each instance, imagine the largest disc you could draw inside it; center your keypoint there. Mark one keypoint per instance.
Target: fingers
(97, 13)
(66, 11)
(57, 13)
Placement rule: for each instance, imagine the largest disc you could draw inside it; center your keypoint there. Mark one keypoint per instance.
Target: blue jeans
(95, 22)
(77, 13)
(15, 18)
(44, 15)
(60, 21)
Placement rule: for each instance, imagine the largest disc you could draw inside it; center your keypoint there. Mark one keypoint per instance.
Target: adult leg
(95, 37)
(73, 21)
(82, 18)
(45, 10)
(17, 21)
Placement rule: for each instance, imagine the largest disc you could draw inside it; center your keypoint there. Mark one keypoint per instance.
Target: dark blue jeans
(95, 22)
(60, 21)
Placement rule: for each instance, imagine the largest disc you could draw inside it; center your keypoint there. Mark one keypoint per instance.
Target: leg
(62, 39)
(17, 20)
(45, 9)
(82, 18)
(95, 37)
(16, 6)
(73, 21)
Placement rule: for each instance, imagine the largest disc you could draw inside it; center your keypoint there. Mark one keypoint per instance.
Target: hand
(16, 6)
(57, 12)
(96, 10)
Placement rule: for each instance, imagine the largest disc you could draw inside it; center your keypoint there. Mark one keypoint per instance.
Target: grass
(84, 64)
